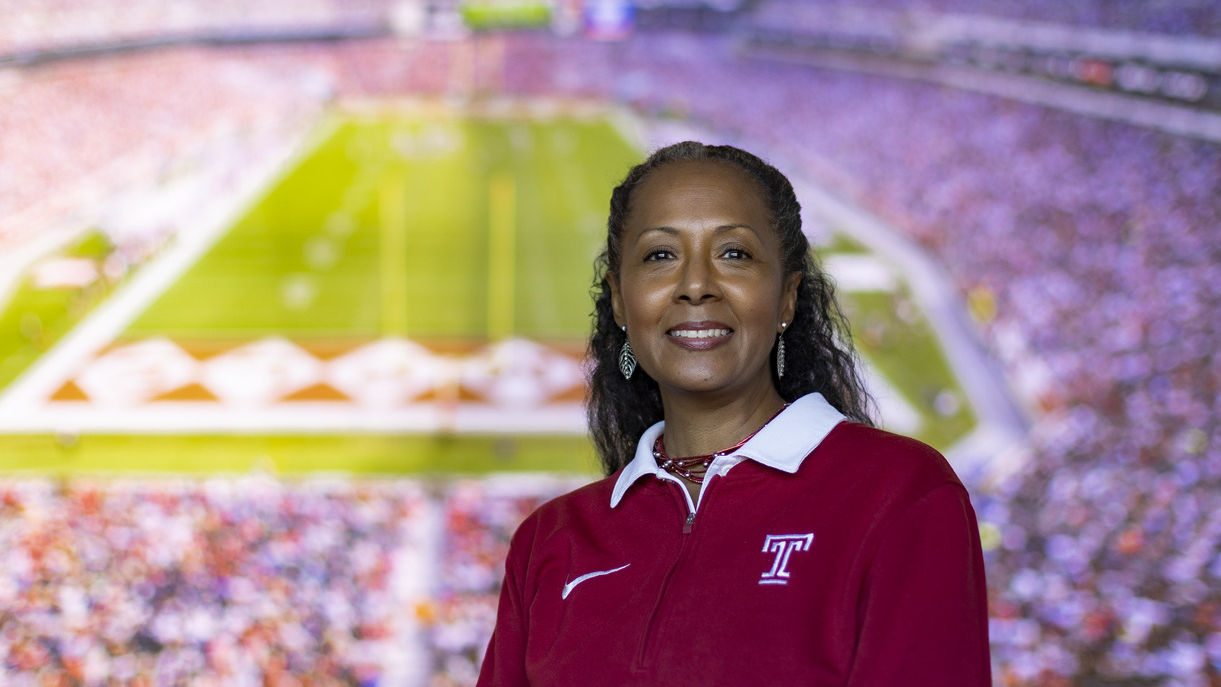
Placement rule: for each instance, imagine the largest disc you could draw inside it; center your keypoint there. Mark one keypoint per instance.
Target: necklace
(695, 468)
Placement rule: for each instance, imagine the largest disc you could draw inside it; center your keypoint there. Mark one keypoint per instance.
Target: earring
(780, 351)
(627, 357)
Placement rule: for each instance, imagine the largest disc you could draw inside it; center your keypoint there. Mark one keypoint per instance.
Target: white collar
(782, 443)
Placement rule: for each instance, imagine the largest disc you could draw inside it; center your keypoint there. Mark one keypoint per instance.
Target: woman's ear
(612, 283)
(788, 298)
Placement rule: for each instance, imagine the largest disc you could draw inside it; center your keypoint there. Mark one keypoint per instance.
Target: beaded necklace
(696, 467)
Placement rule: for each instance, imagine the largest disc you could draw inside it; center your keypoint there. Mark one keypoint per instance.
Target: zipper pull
(687, 525)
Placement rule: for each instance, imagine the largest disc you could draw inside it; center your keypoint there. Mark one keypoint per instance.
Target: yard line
(392, 214)
(502, 255)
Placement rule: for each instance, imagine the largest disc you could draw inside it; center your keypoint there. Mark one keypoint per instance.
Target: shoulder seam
(884, 526)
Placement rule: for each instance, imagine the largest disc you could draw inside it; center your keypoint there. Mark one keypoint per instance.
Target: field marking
(502, 255)
(859, 272)
(301, 417)
(392, 220)
(900, 415)
(159, 387)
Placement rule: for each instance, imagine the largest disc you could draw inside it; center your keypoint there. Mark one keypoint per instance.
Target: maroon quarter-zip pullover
(822, 552)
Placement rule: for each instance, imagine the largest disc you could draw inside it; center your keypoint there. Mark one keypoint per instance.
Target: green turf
(293, 454)
(841, 243)
(385, 230)
(483, 15)
(909, 356)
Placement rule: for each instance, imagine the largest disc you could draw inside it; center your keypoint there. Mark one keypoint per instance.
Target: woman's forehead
(698, 190)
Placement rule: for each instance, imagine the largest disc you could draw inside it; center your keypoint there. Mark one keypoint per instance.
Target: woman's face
(701, 284)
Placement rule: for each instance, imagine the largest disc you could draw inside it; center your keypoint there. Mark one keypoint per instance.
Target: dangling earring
(780, 351)
(627, 357)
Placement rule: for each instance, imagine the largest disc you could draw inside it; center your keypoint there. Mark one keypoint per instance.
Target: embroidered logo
(783, 546)
(568, 587)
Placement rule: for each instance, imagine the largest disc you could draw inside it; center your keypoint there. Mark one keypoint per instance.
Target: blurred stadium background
(293, 299)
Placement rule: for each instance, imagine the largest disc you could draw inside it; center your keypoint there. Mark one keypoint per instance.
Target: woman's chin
(708, 382)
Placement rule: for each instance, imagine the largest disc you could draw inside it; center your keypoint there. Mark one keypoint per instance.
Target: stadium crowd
(1177, 18)
(33, 26)
(479, 517)
(253, 580)
(1085, 246)
(94, 129)
(236, 581)
(103, 130)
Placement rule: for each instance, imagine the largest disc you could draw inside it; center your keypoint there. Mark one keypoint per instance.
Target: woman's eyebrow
(663, 229)
(728, 227)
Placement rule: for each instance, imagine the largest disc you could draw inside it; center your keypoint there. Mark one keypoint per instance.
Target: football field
(410, 295)
(412, 227)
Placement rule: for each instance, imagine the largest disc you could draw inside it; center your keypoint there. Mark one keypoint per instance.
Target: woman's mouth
(699, 336)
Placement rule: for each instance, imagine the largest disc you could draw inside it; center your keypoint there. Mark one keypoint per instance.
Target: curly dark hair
(818, 351)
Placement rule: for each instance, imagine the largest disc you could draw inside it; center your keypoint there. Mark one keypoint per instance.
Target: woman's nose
(697, 282)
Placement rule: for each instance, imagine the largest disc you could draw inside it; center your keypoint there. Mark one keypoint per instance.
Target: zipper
(647, 651)
(690, 521)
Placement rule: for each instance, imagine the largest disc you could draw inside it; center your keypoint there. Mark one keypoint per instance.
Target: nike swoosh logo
(571, 585)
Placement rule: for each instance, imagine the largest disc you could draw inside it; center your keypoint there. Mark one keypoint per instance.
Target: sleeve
(923, 611)
(504, 664)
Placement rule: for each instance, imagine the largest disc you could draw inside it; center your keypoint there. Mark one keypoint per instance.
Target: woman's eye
(735, 254)
(658, 254)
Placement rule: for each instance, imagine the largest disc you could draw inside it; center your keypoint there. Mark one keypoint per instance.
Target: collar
(782, 443)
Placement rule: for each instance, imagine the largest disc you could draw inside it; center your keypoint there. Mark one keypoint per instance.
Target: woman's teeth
(699, 333)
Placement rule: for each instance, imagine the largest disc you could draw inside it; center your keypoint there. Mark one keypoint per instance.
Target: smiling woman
(754, 528)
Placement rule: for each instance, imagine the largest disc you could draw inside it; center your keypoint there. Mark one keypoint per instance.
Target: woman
(754, 528)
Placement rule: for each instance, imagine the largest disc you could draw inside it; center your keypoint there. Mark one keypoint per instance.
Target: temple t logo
(783, 546)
